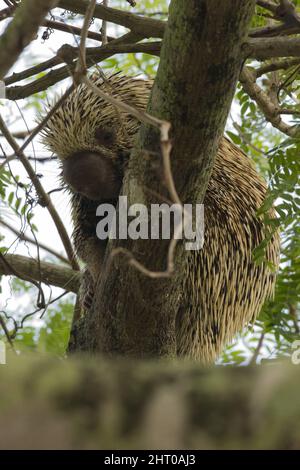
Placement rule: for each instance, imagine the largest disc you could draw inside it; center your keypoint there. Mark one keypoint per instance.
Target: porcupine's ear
(106, 136)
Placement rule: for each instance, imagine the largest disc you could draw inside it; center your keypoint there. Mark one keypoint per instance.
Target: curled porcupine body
(224, 289)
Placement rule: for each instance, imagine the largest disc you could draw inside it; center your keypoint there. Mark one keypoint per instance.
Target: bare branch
(286, 13)
(146, 27)
(36, 69)
(104, 26)
(284, 64)
(58, 25)
(69, 53)
(123, 44)
(267, 48)
(257, 349)
(26, 277)
(270, 6)
(67, 28)
(269, 109)
(294, 112)
(6, 13)
(22, 236)
(81, 66)
(7, 334)
(273, 31)
(49, 273)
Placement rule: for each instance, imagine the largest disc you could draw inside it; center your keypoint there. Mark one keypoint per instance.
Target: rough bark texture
(48, 273)
(268, 48)
(96, 404)
(200, 63)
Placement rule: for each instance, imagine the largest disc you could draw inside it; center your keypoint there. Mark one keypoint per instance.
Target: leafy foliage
(277, 159)
(49, 336)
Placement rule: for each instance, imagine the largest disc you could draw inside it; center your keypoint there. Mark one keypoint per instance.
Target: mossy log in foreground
(85, 403)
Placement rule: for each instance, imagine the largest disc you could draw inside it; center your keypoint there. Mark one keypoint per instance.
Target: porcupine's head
(92, 138)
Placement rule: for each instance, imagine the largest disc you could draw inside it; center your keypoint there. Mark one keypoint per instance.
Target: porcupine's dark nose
(92, 175)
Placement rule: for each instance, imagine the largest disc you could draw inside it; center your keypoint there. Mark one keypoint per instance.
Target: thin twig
(44, 121)
(81, 66)
(124, 44)
(22, 236)
(6, 332)
(267, 5)
(146, 27)
(284, 64)
(257, 349)
(67, 28)
(104, 26)
(41, 296)
(69, 53)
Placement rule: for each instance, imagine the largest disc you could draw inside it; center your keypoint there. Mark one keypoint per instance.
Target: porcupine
(225, 289)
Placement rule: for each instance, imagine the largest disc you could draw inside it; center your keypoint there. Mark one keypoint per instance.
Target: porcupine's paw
(87, 290)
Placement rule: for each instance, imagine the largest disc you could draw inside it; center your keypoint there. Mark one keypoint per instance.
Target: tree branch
(22, 236)
(284, 64)
(49, 273)
(270, 6)
(269, 109)
(146, 27)
(67, 28)
(286, 13)
(67, 53)
(265, 48)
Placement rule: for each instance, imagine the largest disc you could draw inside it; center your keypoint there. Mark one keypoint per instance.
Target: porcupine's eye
(105, 136)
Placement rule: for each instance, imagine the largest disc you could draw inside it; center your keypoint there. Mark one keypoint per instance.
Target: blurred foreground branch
(97, 404)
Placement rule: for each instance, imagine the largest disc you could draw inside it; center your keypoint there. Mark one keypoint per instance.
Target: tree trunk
(200, 63)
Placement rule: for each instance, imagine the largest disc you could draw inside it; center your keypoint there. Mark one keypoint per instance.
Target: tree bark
(49, 273)
(199, 68)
